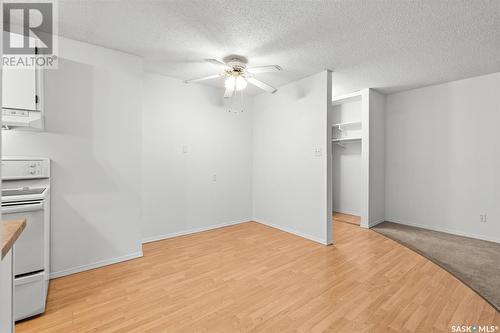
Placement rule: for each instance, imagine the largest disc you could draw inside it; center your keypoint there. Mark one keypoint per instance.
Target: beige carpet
(475, 262)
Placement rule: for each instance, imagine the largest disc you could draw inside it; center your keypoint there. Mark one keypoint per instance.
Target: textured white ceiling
(390, 45)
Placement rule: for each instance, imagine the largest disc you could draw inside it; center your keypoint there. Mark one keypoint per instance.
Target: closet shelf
(347, 139)
(349, 123)
(355, 96)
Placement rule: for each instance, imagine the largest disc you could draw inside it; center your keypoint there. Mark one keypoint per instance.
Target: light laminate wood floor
(346, 218)
(253, 278)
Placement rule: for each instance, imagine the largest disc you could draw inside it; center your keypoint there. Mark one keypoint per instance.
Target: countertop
(11, 232)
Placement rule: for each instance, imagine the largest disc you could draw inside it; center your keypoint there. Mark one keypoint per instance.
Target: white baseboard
(348, 212)
(372, 224)
(446, 230)
(292, 231)
(98, 264)
(192, 231)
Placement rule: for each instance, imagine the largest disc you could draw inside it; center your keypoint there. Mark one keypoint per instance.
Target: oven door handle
(22, 208)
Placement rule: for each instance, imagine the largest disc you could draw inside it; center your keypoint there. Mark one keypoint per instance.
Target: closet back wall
(347, 178)
(197, 159)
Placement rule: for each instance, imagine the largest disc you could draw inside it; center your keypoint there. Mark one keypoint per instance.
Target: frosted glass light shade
(241, 83)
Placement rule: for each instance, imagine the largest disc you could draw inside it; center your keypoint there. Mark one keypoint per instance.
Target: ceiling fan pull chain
(234, 96)
(242, 104)
(230, 104)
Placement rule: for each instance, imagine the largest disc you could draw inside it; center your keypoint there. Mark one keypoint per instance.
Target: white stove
(26, 194)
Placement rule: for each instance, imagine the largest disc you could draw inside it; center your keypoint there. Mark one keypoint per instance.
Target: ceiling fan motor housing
(236, 63)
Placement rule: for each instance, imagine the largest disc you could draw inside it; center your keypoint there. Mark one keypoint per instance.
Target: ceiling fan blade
(228, 93)
(204, 78)
(216, 62)
(261, 85)
(264, 69)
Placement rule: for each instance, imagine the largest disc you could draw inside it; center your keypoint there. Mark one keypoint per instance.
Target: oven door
(29, 248)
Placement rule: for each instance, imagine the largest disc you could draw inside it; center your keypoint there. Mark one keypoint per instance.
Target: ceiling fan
(237, 74)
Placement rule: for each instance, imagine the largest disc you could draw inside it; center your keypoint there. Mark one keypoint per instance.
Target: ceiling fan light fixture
(237, 75)
(235, 82)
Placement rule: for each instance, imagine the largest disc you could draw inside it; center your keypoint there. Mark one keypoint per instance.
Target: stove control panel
(18, 168)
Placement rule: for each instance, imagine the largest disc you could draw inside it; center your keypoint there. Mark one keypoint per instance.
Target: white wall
(179, 191)
(349, 111)
(93, 137)
(377, 158)
(5, 265)
(290, 183)
(1, 80)
(443, 157)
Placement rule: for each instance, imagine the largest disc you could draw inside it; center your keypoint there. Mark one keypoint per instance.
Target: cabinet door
(19, 88)
(6, 294)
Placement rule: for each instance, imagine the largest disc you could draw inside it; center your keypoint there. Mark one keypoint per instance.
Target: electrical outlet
(483, 218)
(214, 178)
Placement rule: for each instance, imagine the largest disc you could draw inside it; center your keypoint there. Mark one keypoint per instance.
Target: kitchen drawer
(29, 295)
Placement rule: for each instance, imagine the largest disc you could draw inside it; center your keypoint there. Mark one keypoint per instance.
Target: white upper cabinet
(19, 89)
(22, 98)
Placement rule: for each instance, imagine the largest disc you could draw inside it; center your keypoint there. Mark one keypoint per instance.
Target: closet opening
(346, 124)
(356, 167)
